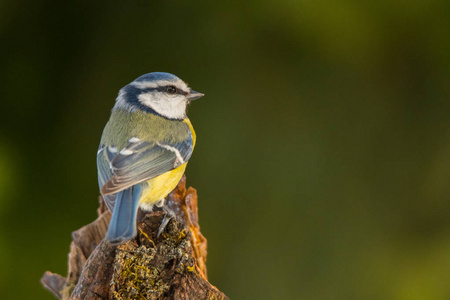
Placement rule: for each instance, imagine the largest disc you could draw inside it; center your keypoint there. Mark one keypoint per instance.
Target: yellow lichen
(146, 271)
(148, 238)
(182, 234)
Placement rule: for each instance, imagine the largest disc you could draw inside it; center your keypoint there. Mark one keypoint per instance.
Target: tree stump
(171, 266)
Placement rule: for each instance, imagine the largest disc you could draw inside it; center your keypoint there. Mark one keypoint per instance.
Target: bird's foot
(167, 217)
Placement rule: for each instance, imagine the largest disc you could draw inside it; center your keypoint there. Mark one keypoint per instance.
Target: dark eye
(171, 89)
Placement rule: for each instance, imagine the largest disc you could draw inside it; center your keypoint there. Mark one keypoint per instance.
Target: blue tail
(123, 221)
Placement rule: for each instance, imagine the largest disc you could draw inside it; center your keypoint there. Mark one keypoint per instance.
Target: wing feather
(139, 161)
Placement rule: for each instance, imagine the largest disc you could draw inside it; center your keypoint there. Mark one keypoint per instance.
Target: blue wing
(138, 162)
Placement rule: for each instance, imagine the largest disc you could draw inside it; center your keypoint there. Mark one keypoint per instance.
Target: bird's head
(157, 92)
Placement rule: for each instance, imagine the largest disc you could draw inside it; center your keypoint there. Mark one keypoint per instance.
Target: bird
(144, 149)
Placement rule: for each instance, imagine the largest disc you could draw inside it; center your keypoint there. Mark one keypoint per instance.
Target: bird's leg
(170, 214)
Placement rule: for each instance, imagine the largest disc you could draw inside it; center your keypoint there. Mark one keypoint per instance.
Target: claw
(167, 217)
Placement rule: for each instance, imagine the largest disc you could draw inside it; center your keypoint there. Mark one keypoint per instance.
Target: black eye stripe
(164, 90)
(178, 91)
(171, 89)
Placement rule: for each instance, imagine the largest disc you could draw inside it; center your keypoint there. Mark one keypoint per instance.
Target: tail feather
(123, 221)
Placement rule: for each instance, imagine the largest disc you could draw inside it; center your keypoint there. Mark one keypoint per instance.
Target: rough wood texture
(172, 266)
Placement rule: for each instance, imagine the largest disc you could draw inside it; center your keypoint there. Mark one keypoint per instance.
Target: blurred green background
(323, 155)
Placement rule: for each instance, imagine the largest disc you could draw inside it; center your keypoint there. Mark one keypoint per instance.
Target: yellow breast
(160, 186)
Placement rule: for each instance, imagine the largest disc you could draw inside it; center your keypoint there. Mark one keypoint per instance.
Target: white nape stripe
(173, 149)
(100, 150)
(126, 152)
(121, 102)
(145, 84)
(154, 84)
(134, 140)
(112, 149)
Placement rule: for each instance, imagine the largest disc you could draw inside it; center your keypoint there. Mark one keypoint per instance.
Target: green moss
(147, 272)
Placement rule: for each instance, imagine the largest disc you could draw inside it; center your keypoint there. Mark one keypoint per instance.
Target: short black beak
(193, 95)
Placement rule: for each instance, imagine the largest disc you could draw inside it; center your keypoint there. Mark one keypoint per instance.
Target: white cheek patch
(171, 107)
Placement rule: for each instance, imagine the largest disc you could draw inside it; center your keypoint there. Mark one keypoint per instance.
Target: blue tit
(144, 148)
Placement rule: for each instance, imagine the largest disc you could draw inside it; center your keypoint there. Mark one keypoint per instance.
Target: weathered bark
(171, 266)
